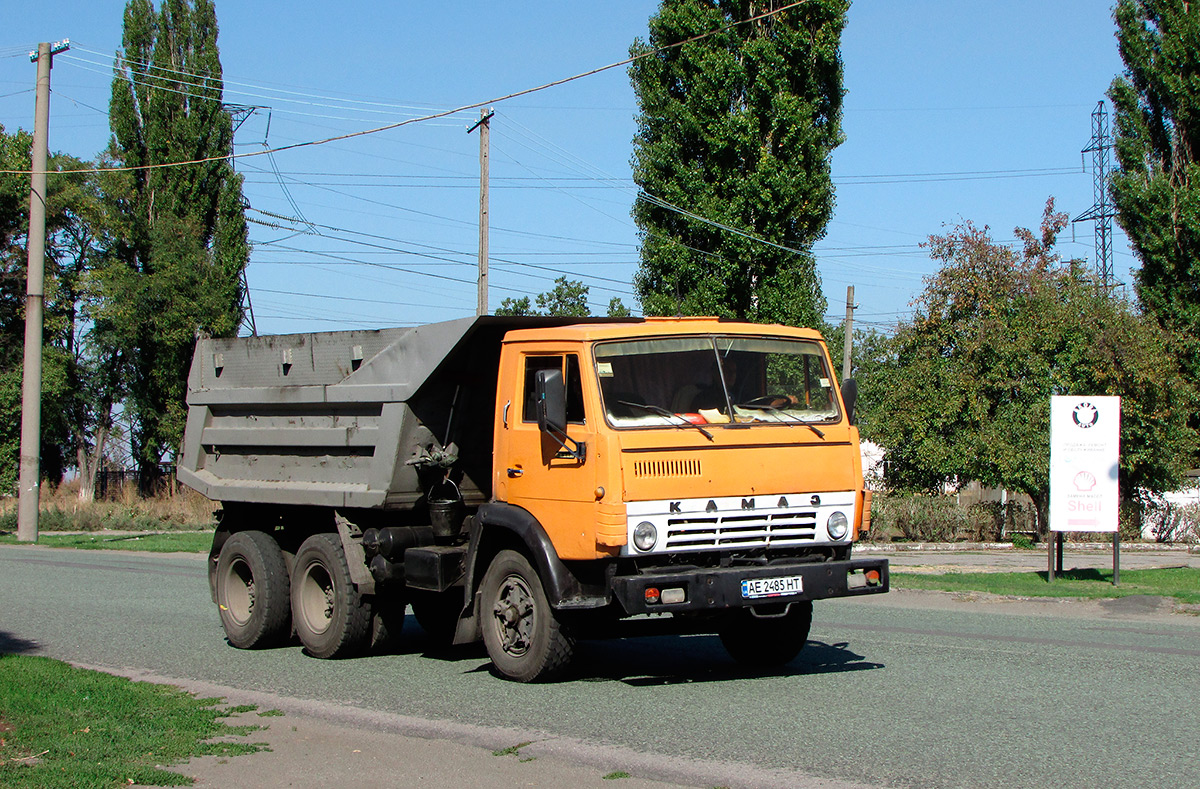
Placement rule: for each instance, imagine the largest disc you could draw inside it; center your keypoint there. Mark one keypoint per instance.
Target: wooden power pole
(847, 343)
(484, 128)
(31, 382)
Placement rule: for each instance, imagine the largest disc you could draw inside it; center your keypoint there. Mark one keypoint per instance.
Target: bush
(991, 520)
(920, 518)
(1175, 523)
(1022, 542)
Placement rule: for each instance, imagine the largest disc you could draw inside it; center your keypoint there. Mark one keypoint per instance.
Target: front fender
(496, 521)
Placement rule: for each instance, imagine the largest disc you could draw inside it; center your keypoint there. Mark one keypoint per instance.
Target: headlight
(838, 525)
(644, 536)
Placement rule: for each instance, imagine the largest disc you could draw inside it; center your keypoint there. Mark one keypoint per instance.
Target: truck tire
(332, 619)
(252, 591)
(765, 642)
(523, 636)
(437, 614)
(387, 622)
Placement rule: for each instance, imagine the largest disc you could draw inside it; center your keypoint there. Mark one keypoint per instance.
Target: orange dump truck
(528, 482)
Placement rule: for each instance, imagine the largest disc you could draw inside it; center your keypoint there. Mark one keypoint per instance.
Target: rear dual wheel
(253, 591)
(332, 619)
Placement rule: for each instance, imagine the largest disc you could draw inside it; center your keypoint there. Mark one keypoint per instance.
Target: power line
(443, 113)
(258, 86)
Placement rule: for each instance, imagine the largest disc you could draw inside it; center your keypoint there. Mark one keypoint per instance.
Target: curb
(1007, 547)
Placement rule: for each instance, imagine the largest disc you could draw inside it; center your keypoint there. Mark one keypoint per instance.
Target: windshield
(714, 380)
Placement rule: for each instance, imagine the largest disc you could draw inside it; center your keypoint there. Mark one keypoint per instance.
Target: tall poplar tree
(738, 128)
(177, 270)
(1157, 189)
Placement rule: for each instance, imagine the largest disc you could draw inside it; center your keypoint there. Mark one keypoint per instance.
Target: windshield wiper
(657, 409)
(779, 415)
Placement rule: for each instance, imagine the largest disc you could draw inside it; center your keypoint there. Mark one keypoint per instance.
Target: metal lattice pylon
(1102, 210)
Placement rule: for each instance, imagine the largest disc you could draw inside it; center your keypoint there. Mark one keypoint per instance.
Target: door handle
(515, 472)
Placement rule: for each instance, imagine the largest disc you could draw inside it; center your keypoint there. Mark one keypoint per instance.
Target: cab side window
(573, 381)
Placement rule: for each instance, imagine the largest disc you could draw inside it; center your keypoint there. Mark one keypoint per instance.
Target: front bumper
(710, 589)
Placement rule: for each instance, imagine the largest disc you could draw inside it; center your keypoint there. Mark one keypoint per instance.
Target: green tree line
(140, 258)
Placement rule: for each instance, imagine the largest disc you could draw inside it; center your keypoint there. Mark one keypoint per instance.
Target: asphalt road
(908, 689)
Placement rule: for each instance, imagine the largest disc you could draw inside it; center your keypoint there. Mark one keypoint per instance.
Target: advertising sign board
(1085, 437)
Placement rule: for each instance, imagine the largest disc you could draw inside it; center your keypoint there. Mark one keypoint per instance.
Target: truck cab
(711, 468)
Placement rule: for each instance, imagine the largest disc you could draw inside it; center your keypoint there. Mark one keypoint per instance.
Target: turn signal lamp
(872, 578)
(652, 594)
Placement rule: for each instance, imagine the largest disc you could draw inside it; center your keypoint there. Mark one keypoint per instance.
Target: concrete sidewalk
(312, 743)
(1003, 557)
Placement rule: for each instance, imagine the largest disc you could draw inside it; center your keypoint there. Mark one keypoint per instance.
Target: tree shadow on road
(15, 645)
(1079, 574)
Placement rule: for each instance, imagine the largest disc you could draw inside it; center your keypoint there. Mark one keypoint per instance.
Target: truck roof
(612, 329)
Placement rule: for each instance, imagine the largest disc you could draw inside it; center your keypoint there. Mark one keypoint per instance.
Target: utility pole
(847, 342)
(31, 384)
(484, 128)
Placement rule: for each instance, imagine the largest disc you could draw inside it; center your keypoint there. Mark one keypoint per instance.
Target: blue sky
(953, 111)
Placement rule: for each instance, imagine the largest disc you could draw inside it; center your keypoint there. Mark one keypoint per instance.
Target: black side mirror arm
(850, 397)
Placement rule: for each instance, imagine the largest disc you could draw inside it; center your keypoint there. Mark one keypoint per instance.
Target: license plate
(772, 587)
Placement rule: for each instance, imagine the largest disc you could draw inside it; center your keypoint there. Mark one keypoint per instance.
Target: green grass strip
(190, 542)
(62, 727)
(1182, 583)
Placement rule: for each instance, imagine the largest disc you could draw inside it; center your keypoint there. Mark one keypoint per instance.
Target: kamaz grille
(714, 531)
(666, 468)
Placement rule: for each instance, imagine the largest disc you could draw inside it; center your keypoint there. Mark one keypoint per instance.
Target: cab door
(533, 469)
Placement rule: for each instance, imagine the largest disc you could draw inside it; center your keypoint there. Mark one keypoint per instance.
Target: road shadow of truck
(674, 660)
(660, 660)
(636, 661)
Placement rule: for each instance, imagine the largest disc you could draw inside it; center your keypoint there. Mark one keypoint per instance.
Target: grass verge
(1182, 583)
(62, 726)
(190, 542)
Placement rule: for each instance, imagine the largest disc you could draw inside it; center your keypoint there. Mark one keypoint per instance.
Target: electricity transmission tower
(1102, 211)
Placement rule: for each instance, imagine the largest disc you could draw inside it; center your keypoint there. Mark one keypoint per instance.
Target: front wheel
(523, 637)
(252, 591)
(332, 619)
(766, 641)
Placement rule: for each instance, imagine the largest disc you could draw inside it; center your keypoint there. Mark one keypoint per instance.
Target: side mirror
(850, 397)
(551, 396)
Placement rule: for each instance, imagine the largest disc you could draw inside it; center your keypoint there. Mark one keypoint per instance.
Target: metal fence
(111, 484)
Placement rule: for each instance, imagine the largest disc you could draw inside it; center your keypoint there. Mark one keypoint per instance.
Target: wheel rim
(316, 598)
(513, 615)
(239, 592)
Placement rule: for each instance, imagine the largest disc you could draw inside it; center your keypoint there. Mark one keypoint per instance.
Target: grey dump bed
(334, 418)
(368, 419)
